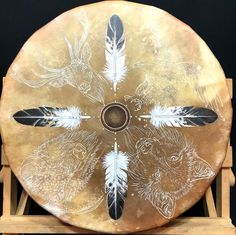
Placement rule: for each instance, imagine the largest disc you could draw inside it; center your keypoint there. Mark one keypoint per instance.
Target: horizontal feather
(115, 69)
(116, 166)
(69, 118)
(178, 116)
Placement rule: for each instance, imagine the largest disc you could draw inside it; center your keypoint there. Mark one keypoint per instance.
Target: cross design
(56, 167)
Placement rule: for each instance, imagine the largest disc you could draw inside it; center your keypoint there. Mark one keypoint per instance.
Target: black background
(213, 20)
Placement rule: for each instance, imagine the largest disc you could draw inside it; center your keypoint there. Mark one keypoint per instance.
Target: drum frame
(15, 220)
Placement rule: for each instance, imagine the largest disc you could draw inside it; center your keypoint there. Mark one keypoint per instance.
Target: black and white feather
(115, 68)
(178, 116)
(69, 117)
(116, 182)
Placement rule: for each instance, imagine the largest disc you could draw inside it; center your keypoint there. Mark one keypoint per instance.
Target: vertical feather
(116, 166)
(178, 116)
(69, 118)
(115, 69)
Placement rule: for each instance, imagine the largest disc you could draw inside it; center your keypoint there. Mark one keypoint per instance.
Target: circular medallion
(115, 117)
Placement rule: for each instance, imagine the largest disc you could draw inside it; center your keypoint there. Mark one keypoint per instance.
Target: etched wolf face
(170, 169)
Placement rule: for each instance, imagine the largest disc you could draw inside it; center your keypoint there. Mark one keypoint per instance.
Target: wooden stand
(14, 218)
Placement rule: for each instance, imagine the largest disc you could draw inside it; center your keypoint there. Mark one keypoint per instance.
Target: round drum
(115, 117)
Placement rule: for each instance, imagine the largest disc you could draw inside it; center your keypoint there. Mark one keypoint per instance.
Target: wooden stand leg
(223, 182)
(9, 192)
(24, 204)
(209, 204)
(223, 193)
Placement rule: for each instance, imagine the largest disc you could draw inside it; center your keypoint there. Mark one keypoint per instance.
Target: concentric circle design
(115, 117)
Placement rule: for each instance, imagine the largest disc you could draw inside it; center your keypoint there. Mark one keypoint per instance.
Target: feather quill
(178, 116)
(115, 68)
(116, 166)
(69, 117)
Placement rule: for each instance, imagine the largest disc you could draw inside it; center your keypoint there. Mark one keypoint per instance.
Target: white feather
(47, 116)
(68, 118)
(116, 166)
(115, 68)
(181, 116)
(168, 116)
(173, 116)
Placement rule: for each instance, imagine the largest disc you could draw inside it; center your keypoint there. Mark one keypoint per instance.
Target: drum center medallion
(115, 117)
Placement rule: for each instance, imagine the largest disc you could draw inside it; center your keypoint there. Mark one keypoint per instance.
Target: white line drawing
(78, 73)
(170, 171)
(185, 68)
(185, 74)
(141, 96)
(60, 168)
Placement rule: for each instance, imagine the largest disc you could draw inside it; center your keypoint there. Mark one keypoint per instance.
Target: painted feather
(115, 69)
(178, 116)
(116, 166)
(69, 118)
